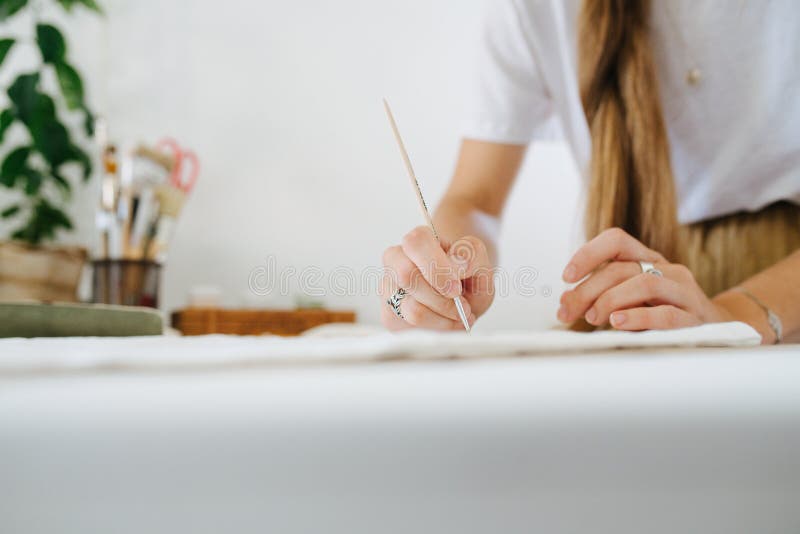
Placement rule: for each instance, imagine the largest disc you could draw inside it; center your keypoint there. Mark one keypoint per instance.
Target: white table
(672, 441)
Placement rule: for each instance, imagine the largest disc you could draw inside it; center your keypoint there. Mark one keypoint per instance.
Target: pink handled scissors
(183, 176)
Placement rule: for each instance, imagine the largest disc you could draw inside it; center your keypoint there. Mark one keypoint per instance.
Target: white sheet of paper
(46, 355)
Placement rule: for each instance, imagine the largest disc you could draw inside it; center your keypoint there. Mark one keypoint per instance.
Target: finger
(417, 286)
(390, 320)
(417, 314)
(576, 302)
(444, 306)
(398, 271)
(612, 244)
(643, 289)
(653, 318)
(469, 256)
(422, 248)
(414, 314)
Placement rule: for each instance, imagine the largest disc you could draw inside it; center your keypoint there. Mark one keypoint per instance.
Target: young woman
(684, 118)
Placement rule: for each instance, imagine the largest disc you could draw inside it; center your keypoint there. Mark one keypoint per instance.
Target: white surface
(282, 102)
(47, 355)
(695, 441)
(718, 131)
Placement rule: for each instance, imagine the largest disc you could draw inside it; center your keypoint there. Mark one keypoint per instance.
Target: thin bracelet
(772, 318)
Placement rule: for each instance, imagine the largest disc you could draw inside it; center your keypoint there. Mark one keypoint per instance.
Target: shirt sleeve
(508, 101)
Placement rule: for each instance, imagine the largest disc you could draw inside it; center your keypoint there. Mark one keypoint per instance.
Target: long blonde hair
(631, 182)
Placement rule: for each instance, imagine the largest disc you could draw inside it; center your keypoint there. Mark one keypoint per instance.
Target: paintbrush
(109, 191)
(170, 202)
(423, 207)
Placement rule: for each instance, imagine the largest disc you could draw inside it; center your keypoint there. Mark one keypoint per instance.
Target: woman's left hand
(616, 290)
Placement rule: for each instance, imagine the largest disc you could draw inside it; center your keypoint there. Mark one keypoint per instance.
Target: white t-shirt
(734, 136)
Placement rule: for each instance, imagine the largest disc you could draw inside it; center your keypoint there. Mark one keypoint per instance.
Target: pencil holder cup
(126, 282)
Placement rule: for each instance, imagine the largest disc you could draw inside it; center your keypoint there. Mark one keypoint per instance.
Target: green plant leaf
(71, 85)
(79, 156)
(60, 219)
(67, 4)
(9, 7)
(91, 4)
(62, 183)
(23, 95)
(21, 234)
(50, 137)
(44, 221)
(14, 165)
(10, 211)
(52, 140)
(38, 112)
(6, 120)
(5, 46)
(33, 181)
(88, 122)
(34, 230)
(50, 218)
(51, 43)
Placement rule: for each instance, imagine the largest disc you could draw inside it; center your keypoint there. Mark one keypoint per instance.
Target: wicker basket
(40, 272)
(200, 321)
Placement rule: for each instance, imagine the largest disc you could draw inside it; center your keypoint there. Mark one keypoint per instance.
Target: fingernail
(562, 314)
(471, 319)
(617, 318)
(569, 273)
(591, 316)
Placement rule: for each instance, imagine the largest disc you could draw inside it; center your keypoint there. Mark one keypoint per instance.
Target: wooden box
(200, 321)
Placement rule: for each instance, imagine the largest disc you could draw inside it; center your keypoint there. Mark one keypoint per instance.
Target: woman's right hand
(432, 274)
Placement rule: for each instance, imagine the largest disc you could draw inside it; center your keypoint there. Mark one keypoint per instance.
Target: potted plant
(38, 155)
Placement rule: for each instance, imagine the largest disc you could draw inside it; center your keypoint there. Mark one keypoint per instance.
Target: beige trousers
(725, 251)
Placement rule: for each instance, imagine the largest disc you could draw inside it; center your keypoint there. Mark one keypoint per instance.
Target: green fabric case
(23, 319)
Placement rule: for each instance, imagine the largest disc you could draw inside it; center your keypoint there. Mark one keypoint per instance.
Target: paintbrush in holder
(141, 200)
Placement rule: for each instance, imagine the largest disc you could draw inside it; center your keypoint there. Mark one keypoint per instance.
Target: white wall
(282, 101)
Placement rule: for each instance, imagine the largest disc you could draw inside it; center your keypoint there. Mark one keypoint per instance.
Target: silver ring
(649, 268)
(394, 302)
